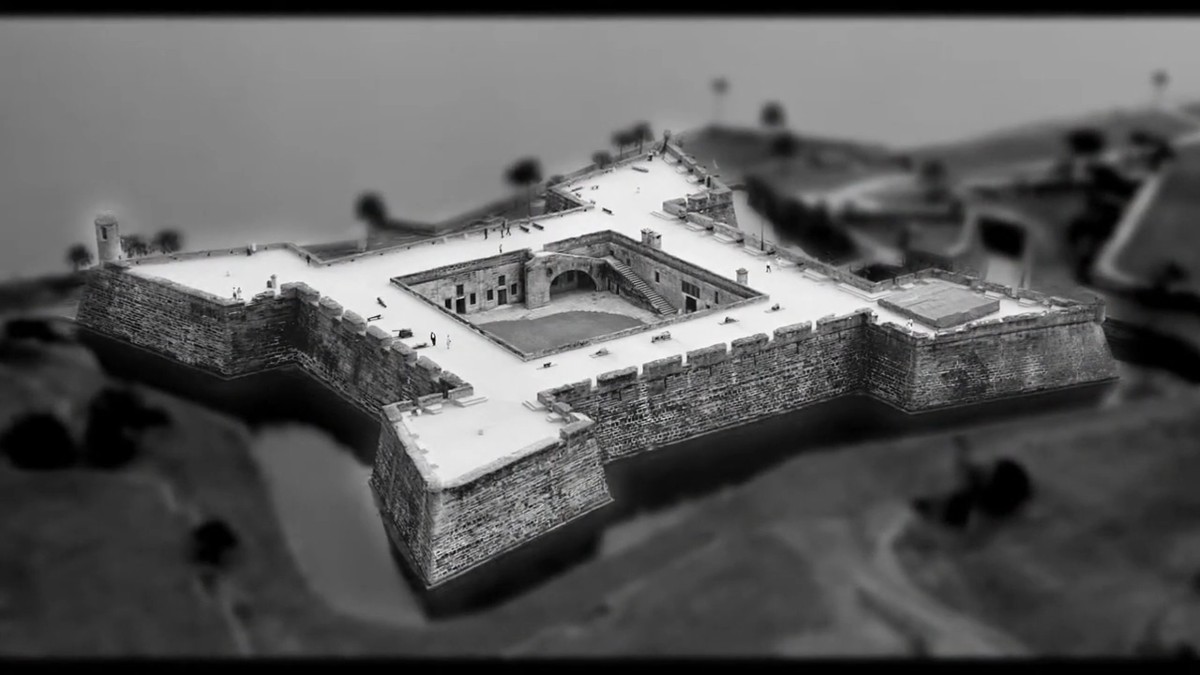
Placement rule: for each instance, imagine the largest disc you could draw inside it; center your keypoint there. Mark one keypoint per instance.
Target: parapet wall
(720, 386)
(230, 337)
(447, 529)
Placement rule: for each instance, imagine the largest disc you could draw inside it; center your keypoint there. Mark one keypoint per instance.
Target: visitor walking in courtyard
(502, 248)
(768, 268)
(433, 338)
(447, 341)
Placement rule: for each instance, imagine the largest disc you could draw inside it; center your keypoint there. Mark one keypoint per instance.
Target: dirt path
(954, 634)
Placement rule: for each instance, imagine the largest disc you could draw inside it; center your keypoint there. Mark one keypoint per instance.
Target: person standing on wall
(433, 338)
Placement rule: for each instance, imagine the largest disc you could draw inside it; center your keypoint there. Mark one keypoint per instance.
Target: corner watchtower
(108, 238)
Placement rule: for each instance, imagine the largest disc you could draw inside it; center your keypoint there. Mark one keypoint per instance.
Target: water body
(251, 130)
(331, 520)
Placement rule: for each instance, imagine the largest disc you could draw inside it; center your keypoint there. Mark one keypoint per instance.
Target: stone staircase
(657, 301)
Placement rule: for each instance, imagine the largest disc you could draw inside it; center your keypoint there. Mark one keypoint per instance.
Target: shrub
(213, 543)
(956, 513)
(1008, 488)
(35, 329)
(39, 442)
(116, 419)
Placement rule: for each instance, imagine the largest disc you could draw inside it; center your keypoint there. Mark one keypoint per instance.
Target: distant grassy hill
(1044, 140)
(821, 163)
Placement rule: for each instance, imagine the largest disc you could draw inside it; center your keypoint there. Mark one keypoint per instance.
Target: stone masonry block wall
(720, 386)
(715, 289)
(501, 509)
(230, 337)
(476, 280)
(1012, 356)
(754, 377)
(366, 366)
(406, 499)
(448, 529)
(188, 325)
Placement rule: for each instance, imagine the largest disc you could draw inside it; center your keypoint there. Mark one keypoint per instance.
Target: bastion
(485, 447)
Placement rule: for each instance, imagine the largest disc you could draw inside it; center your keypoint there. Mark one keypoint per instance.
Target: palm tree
(720, 87)
(1159, 79)
(79, 256)
(642, 133)
(602, 158)
(168, 241)
(772, 115)
(784, 147)
(525, 173)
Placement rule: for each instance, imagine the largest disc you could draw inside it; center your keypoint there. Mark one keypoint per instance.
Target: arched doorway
(572, 280)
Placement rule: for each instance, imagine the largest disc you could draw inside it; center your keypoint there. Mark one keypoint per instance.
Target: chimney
(742, 275)
(652, 239)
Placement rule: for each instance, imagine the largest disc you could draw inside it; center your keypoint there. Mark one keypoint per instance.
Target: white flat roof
(452, 439)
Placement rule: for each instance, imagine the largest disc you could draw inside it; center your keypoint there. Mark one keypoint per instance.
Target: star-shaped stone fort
(508, 370)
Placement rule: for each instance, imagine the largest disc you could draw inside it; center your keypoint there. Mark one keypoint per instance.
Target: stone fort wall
(448, 528)
(231, 337)
(755, 377)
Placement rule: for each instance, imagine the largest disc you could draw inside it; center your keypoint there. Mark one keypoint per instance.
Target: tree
(555, 179)
(213, 543)
(784, 147)
(39, 442)
(641, 133)
(772, 115)
(602, 158)
(78, 256)
(525, 173)
(905, 162)
(135, 245)
(371, 209)
(720, 87)
(1086, 143)
(168, 241)
(41, 330)
(956, 512)
(932, 178)
(623, 138)
(1008, 487)
(117, 418)
(1159, 81)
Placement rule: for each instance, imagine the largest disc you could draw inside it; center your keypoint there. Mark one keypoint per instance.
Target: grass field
(555, 330)
(735, 153)
(758, 568)
(1110, 540)
(66, 564)
(1043, 140)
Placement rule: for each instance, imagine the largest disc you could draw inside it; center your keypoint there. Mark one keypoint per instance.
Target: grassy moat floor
(770, 567)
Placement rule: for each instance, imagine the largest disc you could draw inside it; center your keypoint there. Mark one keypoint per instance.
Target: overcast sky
(237, 131)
